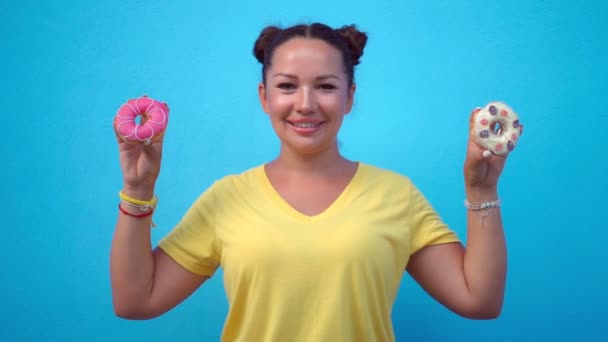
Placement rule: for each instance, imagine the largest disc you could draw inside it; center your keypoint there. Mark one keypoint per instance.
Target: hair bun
(355, 40)
(265, 38)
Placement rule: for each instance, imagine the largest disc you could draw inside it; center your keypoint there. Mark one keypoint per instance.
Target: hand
(481, 170)
(140, 164)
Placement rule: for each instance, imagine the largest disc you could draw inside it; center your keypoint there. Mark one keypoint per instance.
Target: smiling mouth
(305, 124)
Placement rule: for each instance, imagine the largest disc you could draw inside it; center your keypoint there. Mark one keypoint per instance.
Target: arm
(145, 283)
(470, 282)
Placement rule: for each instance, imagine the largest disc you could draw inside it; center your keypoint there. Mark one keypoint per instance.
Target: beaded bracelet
(480, 206)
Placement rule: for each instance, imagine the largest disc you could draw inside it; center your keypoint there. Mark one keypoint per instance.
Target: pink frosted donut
(154, 119)
(496, 127)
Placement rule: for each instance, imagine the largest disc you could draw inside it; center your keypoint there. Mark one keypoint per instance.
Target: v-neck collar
(337, 204)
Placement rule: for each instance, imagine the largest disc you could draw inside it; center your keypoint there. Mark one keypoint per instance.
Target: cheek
(334, 102)
(278, 102)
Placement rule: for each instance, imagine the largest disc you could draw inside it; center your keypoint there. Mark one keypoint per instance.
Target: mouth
(305, 124)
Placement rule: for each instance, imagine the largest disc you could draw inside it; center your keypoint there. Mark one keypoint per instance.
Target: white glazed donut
(496, 127)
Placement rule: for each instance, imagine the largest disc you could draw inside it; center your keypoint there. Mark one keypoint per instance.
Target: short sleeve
(193, 242)
(427, 226)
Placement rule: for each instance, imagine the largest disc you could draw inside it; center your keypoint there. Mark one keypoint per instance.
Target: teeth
(305, 124)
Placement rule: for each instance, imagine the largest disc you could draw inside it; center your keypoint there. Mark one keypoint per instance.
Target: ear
(262, 96)
(350, 99)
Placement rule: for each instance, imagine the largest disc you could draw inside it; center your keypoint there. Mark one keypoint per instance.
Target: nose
(305, 102)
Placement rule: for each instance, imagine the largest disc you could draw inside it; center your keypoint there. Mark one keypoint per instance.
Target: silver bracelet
(480, 206)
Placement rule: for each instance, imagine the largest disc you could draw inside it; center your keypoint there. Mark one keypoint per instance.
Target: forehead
(306, 52)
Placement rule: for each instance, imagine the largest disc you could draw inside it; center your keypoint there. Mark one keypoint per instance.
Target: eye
(286, 86)
(327, 86)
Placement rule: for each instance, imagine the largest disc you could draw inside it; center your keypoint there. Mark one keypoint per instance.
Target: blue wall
(67, 66)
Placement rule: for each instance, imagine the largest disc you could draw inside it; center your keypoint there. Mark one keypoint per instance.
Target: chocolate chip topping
(510, 145)
(515, 123)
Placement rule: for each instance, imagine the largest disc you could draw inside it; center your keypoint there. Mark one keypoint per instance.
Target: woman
(313, 246)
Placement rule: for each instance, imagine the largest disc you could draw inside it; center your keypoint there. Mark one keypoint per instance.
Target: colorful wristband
(127, 199)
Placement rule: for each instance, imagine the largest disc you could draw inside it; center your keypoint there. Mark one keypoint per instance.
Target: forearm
(485, 260)
(131, 260)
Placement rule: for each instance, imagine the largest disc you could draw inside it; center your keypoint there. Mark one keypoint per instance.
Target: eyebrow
(322, 77)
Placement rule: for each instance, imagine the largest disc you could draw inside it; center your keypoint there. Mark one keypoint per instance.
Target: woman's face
(306, 95)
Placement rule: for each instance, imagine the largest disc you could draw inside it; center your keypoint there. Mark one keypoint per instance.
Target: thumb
(154, 151)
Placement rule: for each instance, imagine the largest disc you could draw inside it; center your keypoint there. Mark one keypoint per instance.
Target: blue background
(67, 67)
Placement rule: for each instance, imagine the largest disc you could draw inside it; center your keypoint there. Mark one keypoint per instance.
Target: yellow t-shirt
(292, 277)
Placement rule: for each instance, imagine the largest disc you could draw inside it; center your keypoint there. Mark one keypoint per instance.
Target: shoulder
(237, 184)
(245, 178)
(381, 176)
(384, 185)
(228, 191)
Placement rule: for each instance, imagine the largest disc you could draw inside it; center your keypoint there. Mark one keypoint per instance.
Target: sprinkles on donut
(496, 126)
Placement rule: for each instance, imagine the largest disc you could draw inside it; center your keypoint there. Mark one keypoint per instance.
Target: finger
(476, 152)
(472, 117)
(122, 141)
(119, 138)
(159, 137)
(153, 150)
(475, 111)
(115, 130)
(472, 142)
(471, 124)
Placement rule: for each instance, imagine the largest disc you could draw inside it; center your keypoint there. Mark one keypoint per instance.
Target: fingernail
(486, 154)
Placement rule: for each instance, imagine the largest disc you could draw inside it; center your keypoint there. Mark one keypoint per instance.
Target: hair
(347, 39)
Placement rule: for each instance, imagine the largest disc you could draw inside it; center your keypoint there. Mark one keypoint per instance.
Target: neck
(323, 163)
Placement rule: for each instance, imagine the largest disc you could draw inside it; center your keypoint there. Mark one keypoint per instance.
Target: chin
(309, 149)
